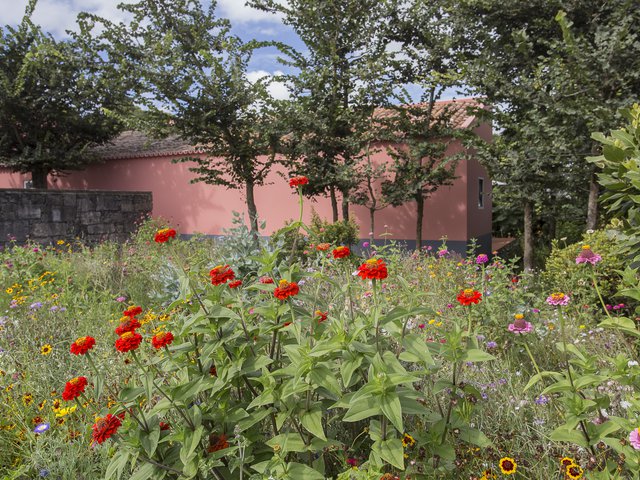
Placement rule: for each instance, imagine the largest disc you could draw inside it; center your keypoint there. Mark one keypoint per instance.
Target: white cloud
(57, 16)
(238, 12)
(277, 90)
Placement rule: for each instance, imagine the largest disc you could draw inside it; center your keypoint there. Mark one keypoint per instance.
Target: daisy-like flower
(373, 269)
(63, 412)
(468, 296)
(558, 299)
(82, 345)
(488, 475)
(217, 442)
(162, 339)
(128, 341)
(132, 311)
(221, 274)
(41, 405)
(42, 427)
(235, 284)
(27, 399)
(164, 235)
(566, 461)
(74, 388)
(341, 252)
(408, 440)
(574, 471)
(586, 255)
(482, 259)
(321, 316)
(634, 438)
(46, 349)
(286, 289)
(322, 247)
(105, 427)
(508, 465)
(296, 182)
(520, 325)
(129, 324)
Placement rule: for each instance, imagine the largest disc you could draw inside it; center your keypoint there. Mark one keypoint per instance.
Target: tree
(421, 165)
(193, 83)
(54, 102)
(552, 80)
(342, 77)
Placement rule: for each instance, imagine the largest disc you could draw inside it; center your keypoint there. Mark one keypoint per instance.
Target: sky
(58, 16)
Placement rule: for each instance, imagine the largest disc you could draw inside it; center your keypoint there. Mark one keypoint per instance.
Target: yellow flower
(42, 404)
(551, 326)
(60, 242)
(518, 316)
(46, 349)
(27, 399)
(573, 471)
(582, 327)
(408, 440)
(508, 466)
(63, 412)
(9, 290)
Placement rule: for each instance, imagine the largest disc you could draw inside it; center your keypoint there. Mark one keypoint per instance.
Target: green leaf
(415, 345)
(117, 464)
(312, 421)
(537, 377)
(349, 366)
(563, 434)
(149, 441)
(623, 324)
(321, 375)
(288, 442)
(363, 408)
(391, 408)
(298, 471)
(145, 472)
(477, 355)
(191, 442)
(391, 450)
(475, 436)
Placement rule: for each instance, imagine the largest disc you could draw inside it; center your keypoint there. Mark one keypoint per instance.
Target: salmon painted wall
(208, 209)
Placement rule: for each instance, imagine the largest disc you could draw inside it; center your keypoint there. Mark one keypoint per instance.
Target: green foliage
(54, 100)
(336, 233)
(562, 274)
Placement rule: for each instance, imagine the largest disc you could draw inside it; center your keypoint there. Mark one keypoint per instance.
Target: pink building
(133, 162)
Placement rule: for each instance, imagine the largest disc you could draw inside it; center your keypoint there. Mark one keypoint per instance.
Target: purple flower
(558, 299)
(54, 308)
(365, 244)
(492, 344)
(482, 259)
(42, 427)
(36, 306)
(542, 400)
(121, 299)
(586, 255)
(634, 439)
(535, 310)
(443, 252)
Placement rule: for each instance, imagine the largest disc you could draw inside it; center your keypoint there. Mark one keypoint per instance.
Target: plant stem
(535, 365)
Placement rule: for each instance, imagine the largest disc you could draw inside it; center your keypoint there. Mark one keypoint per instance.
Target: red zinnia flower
(266, 280)
(217, 442)
(235, 284)
(165, 426)
(82, 345)
(128, 341)
(469, 296)
(162, 339)
(373, 269)
(298, 181)
(341, 252)
(105, 427)
(129, 325)
(132, 312)
(286, 289)
(221, 274)
(321, 247)
(74, 388)
(321, 316)
(164, 235)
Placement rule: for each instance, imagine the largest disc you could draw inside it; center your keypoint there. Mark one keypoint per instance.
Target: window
(480, 192)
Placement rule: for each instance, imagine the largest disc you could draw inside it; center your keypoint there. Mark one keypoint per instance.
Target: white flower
(624, 404)
(632, 363)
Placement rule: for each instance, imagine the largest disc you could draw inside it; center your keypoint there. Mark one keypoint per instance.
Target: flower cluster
(221, 274)
(286, 289)
(373, 269)
(164, 235)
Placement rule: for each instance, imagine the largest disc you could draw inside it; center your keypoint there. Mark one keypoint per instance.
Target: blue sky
(57, 16)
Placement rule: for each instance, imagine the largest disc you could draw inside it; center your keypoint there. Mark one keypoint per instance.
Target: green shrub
(338, 233)
(564, 275)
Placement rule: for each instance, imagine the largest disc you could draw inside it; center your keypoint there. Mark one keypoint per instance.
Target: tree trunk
(372, 221)
(345, 208)
(592, 205)
(39, 177)
(419, 215)
(528, 236)
(251, 206)
(334, 204)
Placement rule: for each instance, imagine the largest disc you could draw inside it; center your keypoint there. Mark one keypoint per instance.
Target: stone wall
(46, 216)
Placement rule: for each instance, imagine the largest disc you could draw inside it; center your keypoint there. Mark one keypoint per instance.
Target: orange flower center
(283, 283)
(371, 262)
(126, 335)
(586, 247)
(518, 316)
(557, 296)
(74, 381)
(81, 341)
(468, 292)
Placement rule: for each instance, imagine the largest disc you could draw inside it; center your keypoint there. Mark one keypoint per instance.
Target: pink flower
(520, 326)
(558, 299)
(481, 259)
(634, 438)
(586, 255)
